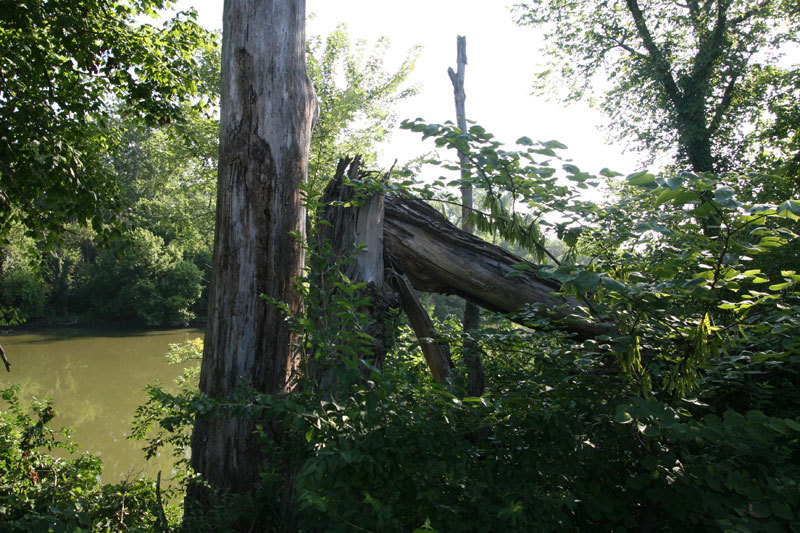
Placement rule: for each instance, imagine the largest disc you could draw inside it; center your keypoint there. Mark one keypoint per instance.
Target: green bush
(22, 289)
(144, 279)
(683, 417)
(41, 492)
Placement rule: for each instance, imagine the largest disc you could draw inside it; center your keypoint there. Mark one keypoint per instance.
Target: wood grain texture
(267, 108)
(436, 256)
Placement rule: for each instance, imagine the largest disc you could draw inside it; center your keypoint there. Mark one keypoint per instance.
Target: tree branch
(5, 359)
(725, 103)
(660, 63)
(710, 49)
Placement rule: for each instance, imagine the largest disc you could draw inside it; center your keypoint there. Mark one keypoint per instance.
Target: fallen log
(393, 243)
(436, 256)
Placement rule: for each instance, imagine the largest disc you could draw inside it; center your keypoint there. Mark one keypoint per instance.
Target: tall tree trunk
(694, 137)
(472, 313)
(267, 110)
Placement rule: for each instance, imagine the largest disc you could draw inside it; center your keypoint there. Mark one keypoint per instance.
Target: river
(96, 379)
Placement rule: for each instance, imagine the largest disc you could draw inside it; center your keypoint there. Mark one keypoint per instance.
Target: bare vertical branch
(472, 314)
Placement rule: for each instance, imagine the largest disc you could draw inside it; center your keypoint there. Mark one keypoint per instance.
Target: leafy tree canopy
(65, 67)
(356, 96)
(691, 74)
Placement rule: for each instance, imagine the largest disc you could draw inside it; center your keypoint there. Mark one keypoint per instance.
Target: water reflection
(96, 379)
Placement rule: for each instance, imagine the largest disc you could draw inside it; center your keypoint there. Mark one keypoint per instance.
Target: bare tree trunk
(437, 354)
(5, 359)
(267, 109)
(472, 313)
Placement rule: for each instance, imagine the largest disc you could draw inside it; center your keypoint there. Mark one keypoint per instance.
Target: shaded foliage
(684, 418)
(59, 86)
(42, 492)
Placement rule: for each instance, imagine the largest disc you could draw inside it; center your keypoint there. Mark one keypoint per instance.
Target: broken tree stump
(393, 243)
(349, 243)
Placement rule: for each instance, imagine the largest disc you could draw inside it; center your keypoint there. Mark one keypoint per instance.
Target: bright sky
(501, 64)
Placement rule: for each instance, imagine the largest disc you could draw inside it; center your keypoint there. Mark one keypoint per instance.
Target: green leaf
(622, 416)
(650, 463)
(684, 197)
(675, 183)
(610, 173)
(564, 274)
(651, 431)
(587, 281)
(554, 145)
(641, 178)
(477, 131)
(781, 510)
(792, 424)
(613, 285)
(761, 208)
(665, 196)
(790, 207)
(705, 209)
(724, 193)
(779, 286)
(770, 242)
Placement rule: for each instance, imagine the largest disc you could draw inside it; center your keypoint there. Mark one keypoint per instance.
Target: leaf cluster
(687, 79)
(42, 492)
(66, 68)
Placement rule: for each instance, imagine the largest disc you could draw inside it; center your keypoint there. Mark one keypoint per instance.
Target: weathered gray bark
(350, 233)
(460, 97)
(423, 251)
(438, 257)
(345, 228)
(437, 354)
(472, 313)
(267, 109)
(349, 238)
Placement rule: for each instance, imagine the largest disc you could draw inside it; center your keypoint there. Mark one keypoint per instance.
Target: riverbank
(115, 325)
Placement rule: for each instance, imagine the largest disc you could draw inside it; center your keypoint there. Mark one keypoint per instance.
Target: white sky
(502, 60)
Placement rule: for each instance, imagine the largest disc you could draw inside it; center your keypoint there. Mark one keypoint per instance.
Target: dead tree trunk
(438, 257)
(422, 250)
(348, 242)
(349, 239)
(437, 354)
(267, 109)
(472, 313)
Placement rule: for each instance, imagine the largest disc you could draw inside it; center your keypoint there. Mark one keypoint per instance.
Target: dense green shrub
(22, 289)
(141, 278)
(42, 492)
(682, 417)
(552, 446)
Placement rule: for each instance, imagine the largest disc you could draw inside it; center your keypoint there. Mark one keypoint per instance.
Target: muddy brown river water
(96, 379)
